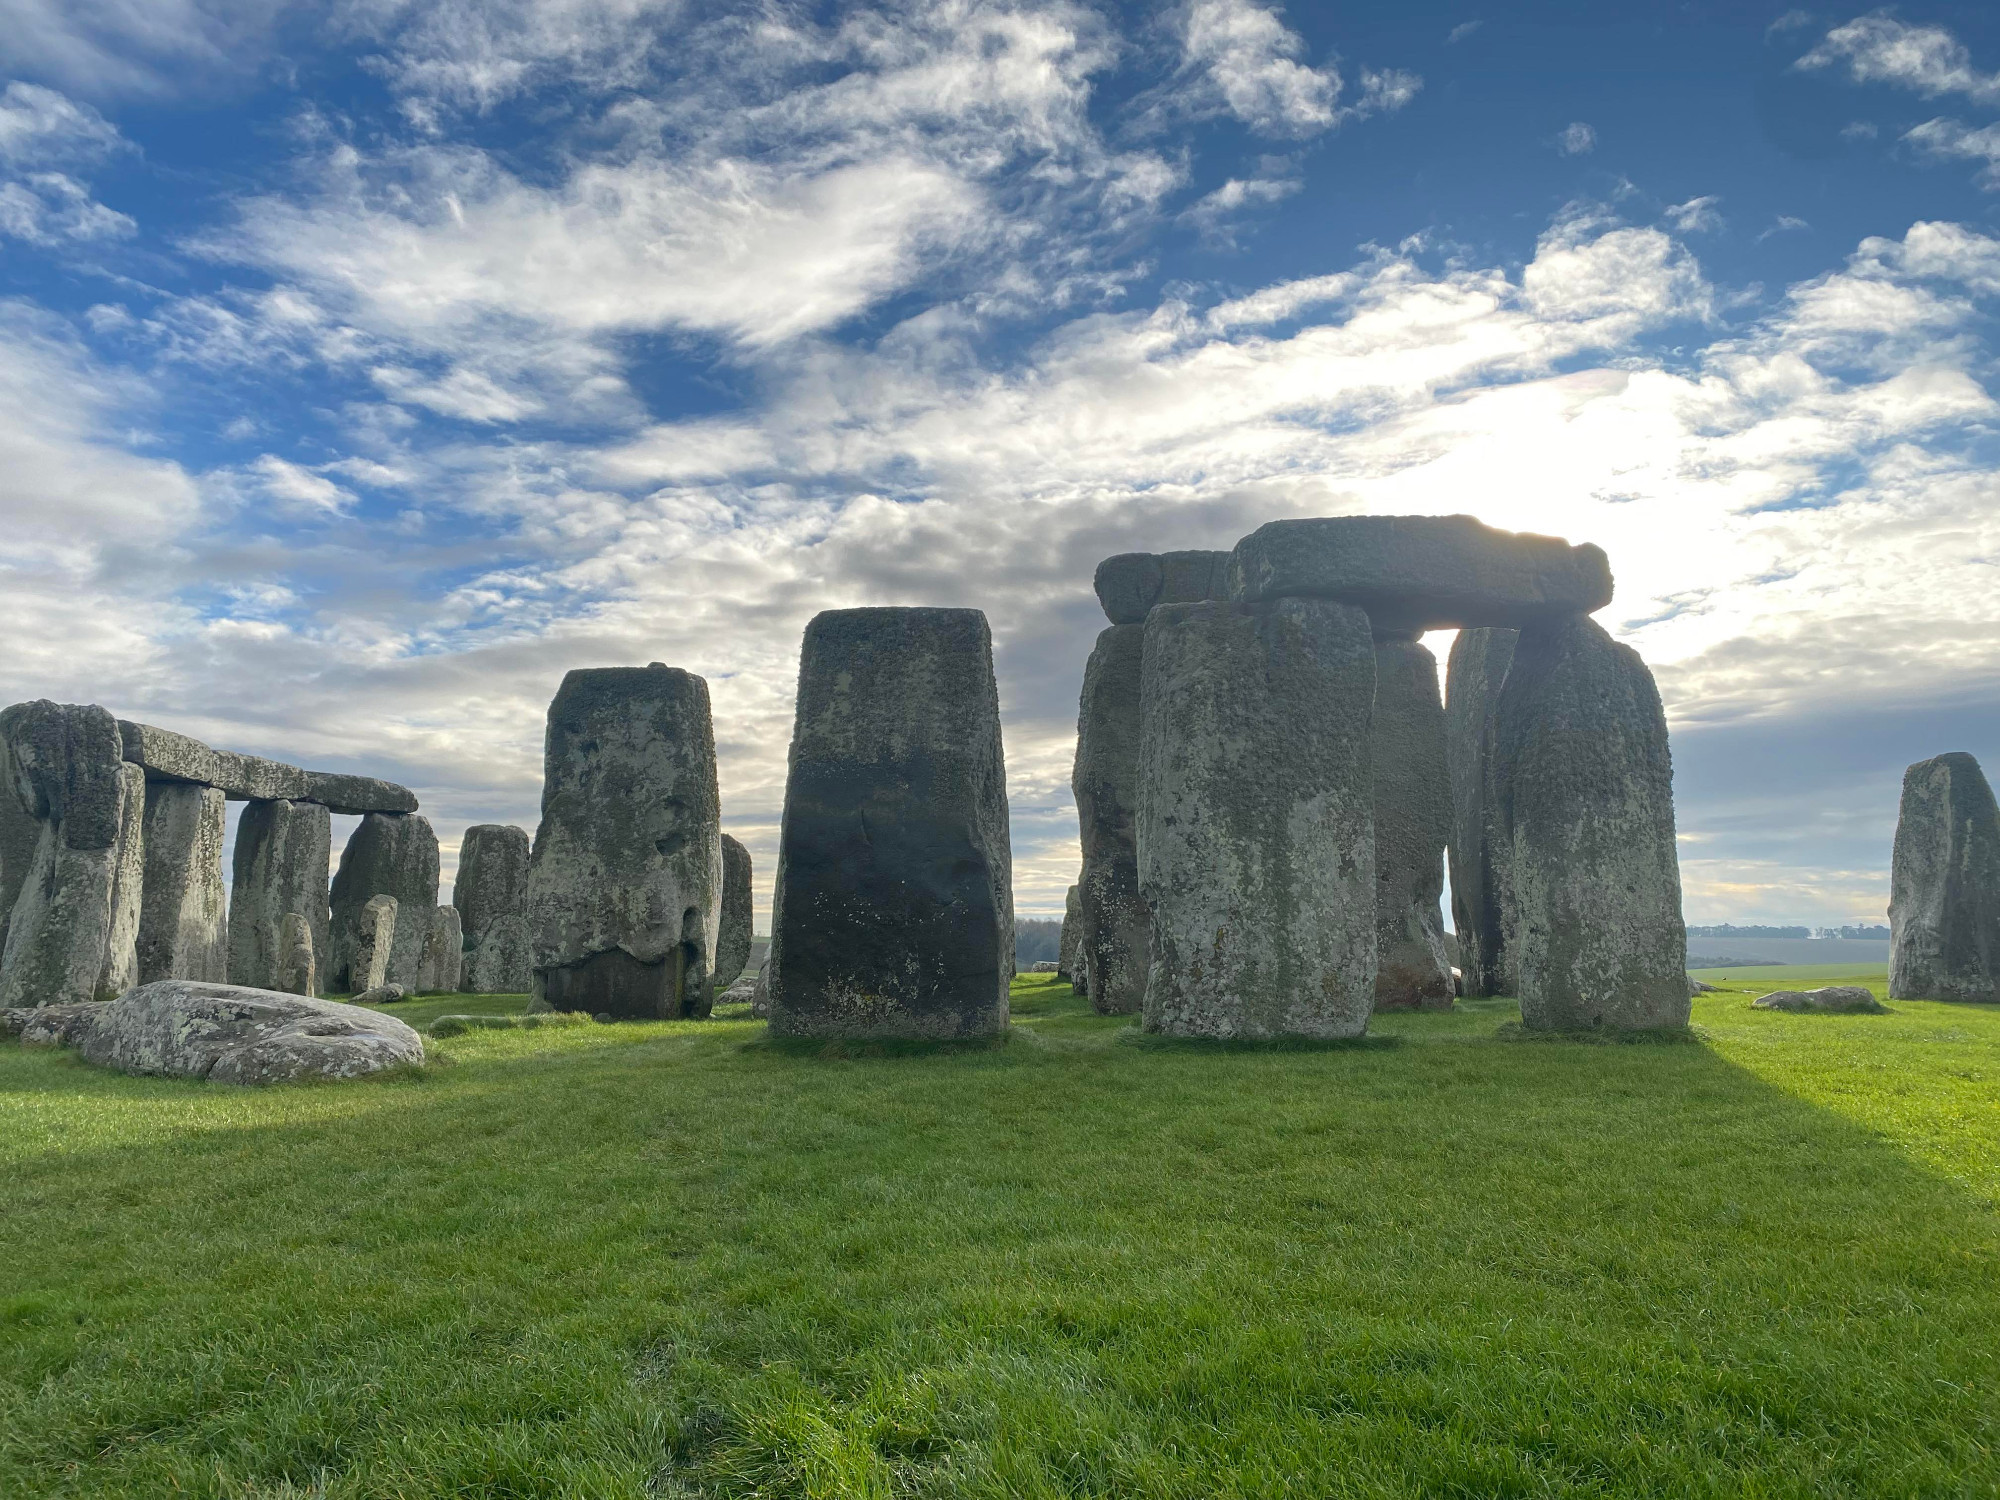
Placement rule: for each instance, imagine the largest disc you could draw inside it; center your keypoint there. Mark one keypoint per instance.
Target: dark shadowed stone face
(1412, 826)
(1113, 930)
(894, 913)
(1481, 850)
(732, 943)
(1944, 884)
(280, 862)
(1127, 586)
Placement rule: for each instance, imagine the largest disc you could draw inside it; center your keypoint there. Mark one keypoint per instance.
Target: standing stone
(374, 941)
(504, 961)
(282, 851)
(625, 884)
(184, 912)
(1587, 789)
(1944, 884)
(1412, 827)
(1114, 929)
(1482, 889)
(20, 832)
(388, 854)
(73, 931)
(444, 952)
(894, 914)
(1069, 945)
(492, 880)
(1256, 821)
(732, 943)
(298, 974)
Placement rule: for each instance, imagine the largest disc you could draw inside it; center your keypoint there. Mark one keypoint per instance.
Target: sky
(365, 365)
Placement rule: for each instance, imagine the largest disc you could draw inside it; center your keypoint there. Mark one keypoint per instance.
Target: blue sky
(370, 364)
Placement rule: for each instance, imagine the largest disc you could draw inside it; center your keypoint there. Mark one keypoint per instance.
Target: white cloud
(1248, 61)
(1696, 216)
(39, 126)
(293, 486)
(1212, 213)
(137, 47)
(41, 129)
(1949, 138)
(1576, 139)
(1783, 224)
(46, 208)
(1880, 48)
(1461, 31)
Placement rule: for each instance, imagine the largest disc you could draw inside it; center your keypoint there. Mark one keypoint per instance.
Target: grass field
(676, 1259)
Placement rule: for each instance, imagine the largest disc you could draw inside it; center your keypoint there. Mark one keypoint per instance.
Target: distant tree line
(1725, 930)
(1037, 940)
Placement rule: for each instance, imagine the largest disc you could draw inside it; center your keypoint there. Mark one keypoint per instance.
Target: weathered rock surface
(388, 854)
(374, 941)
(1422, 572)
(625, 884)
(227, 1034)
(382, 994)
(444, 952)
(1482, 851)
(732, 944)
(1944, 884)
(1256, 819)
(298, 965)
(176, 757)
(1042, 966)
(894, 914)
(1114, 928)
(128, 887)
(492, 880)
(760, 992)
(1069, 960)
(1131, 583)
(184, 912)
(67, 763)
(504, 961)
(1698, 987)
(20, 832)
(282, 850)
(1412, 828)
(1843, 999)
(1586, 785)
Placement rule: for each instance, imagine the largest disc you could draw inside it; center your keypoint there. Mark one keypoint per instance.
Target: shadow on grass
(1148, 1041)
(1604, 1036)
(852, 1049)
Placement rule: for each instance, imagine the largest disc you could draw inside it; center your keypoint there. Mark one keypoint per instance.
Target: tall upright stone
(1586, 785)
(20, 832)
(1114, 929)
(732, 944)
(444, 952)
(625, 884)
(1482, 853)
(1256, 819)
(184, 912)
(374, 941)
(894, 912)
(298, 967)
(1069, 945)
(73, 932)
(491, 893)
(1412, 827)
(503, 963)
(282, 852)
(388, 854)
(1944, 884)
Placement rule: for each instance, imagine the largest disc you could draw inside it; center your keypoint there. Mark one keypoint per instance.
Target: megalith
(490, 893)
(374, 941)
(1256, 819)
(388, 854)
(1586, 789)
(1412, 828)
(298, 968)
(282, 852)
(732, 943)
(894, 911)
(73, 932)
(1068, 964)
(20, 832)
(1481, 851)
(1944, 884)
(444, 952)
(1114, 929)
(184, 913)
(625, 883)
(503, 963)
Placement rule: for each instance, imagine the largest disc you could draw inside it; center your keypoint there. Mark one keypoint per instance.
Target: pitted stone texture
(73, 934)
(1586, 786)
(282, 850)
(1944, 884)
(732, 944)
(760, 992)
(1257, 819)
(374, 941)
(1133, 582)
(20, 832)
(1832, 999)
(444, 952)
(184, 911)
(388, 854)
(176, 757)
(1069, 945)
(66, 761)
(625, 885)
(298, 966)
(504, 961)
(894, 914)
(227, 1034)
(1114, 928)
(1482, 854)
(492, 879)
(1422, 572)
(1412, 827)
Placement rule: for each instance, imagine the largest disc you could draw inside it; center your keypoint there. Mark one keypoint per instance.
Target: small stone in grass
(1846, 999)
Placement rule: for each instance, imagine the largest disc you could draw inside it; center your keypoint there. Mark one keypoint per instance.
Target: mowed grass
(679, 1260)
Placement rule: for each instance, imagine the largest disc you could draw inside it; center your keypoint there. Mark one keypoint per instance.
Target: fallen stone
(445, 1026)
(742, 992)
(176, 757)
(227, 1033)
(1422, 572)
(625, 884)
(382, 994)
(492, 880)
(374, 941)
(184, 910)
(1114, 928)
(1043, 966)
(1698, 987)
(733, 933)
(894, 909)
(1256, 819)
(388, 854)
(503, 962)
(1944, 885)
(1586, 784)
(1843, 999)
(444, 952)
(298, 970)
(1412, 828)
(1482, 853)
(282, 849)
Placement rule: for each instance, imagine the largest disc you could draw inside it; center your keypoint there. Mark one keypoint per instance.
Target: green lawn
(674, 1259)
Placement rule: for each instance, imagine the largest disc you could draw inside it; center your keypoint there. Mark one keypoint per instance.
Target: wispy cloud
(1576, 139)
(1881, 48)
(1952, 140)
(1248, 62)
